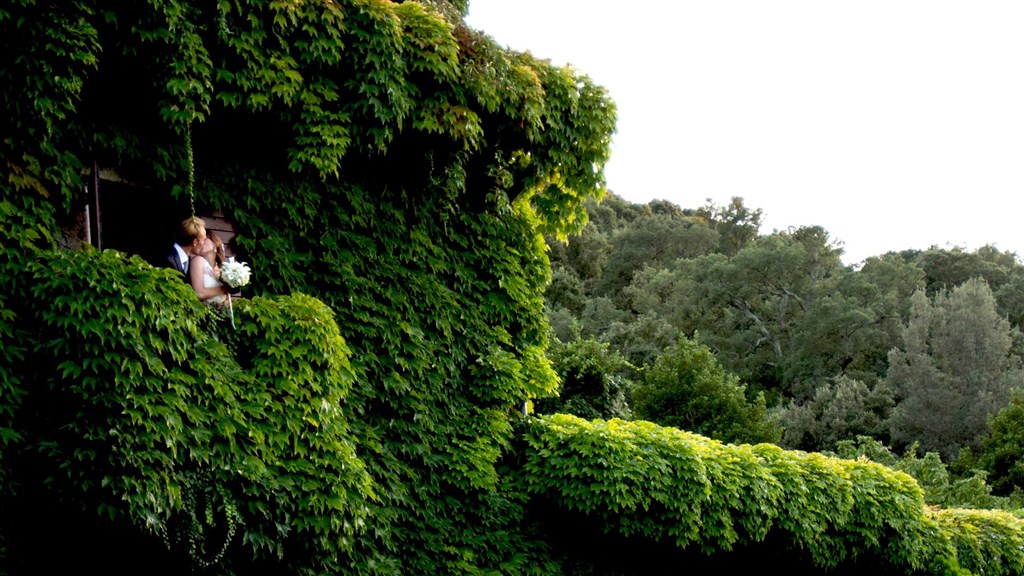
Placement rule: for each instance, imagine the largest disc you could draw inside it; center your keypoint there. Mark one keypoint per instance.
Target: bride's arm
(195, 275)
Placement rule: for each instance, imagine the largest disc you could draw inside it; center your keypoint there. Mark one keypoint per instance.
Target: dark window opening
(139, 220)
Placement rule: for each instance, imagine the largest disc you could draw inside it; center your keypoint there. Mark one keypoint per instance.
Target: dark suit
(174, 261)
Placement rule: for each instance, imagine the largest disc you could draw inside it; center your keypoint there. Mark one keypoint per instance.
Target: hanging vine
(191, 169)
(207, 523)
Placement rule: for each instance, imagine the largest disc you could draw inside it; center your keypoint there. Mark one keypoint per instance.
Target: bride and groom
(198, 255)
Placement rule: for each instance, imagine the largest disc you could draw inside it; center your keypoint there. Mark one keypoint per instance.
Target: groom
(188, 240)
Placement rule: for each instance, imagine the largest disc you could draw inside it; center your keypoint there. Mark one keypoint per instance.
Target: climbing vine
(207, 523)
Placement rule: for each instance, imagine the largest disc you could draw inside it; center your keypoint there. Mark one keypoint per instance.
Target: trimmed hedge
(637, 479)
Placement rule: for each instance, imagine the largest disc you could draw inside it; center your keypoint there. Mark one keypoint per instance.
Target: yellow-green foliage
(637, 478)
(986, 541)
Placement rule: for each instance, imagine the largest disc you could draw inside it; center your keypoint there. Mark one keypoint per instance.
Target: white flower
(234, 274)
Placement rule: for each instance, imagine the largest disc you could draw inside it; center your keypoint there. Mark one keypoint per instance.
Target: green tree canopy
(736, 223)
(656, 240)
(953, 370)
(838, 411)
(1002, 452)
(593, 381)
(687, 388)
(748, 307)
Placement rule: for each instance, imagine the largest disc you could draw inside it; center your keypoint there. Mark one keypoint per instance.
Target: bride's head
(212, 249)
(208, 251)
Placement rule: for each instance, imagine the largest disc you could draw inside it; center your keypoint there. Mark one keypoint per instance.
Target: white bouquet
(233, 273)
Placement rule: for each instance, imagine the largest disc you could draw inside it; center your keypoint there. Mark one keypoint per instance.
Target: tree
(735, 223)
(641, 339)
(1002, 451)
(837, 337)
(600, 314)
(748, 307)
(655, 240)
(563, 324)
(1010, 298)
(565, 290)
(850, 329)
(593, 381)
(563, 303)
(953, 370)
(947, 268)
(687, 388)
(838, 411)
(587, 254)
(941, 487)
(653, 290)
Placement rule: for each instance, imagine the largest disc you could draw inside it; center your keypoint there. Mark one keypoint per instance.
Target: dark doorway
(138, 220)
(135, 220)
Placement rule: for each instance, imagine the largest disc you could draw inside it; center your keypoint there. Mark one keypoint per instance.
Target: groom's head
(191, 234)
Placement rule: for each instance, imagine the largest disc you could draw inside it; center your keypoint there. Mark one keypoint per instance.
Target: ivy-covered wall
(383, 159)
(390, 173)
(136, 412)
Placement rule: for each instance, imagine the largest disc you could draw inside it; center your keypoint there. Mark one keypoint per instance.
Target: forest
(458, 353)
(690, 317)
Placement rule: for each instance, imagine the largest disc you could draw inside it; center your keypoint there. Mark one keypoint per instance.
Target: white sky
(893, 124)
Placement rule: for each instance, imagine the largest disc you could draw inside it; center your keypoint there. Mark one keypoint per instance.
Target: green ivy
(636, 479)
(151, 390)
(986, 541)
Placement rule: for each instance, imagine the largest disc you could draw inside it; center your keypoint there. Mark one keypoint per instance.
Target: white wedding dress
(211, 281)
